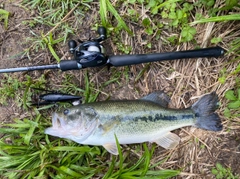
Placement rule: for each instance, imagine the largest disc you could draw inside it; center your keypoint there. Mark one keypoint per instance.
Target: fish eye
(66, 111)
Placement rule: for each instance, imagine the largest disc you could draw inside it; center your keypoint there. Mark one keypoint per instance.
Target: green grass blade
(8, 131)
(235, 46)
(69, 171)
(4, 16)
(110, 168)
(73, 149)
(137, 164)
(32, 128)
(163, 173)
(26, 92)
(132, 174)
(49, 41)
(231, 17)
(147, 159)
(237, 70)
(53, 52)
(121, 23)
(87, 87)
(143, 70)
(103, 12)
(45, 107)
(120, 155)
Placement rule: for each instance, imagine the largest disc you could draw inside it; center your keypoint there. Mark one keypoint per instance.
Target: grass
(4, 15)
(8, 88)
(233, 106)
(221, 172)
(53, 14)
(26, 152)
(231, 17)
(105, 6)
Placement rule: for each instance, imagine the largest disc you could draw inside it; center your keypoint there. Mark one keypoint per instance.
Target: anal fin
(168, 141)
(111, 148)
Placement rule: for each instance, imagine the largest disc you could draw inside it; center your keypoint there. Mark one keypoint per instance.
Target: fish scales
(133, 121)
(138, 116)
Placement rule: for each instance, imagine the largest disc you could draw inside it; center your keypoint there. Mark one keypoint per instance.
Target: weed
(188, 33)
(223, 76)
(207, 3)
(11, 87)
(160, 4)
(50, 42)
(54, 14)
(216, 40)
(148, 28)
(230, 4)
(4, 16)
(105, 6)
(235, 48)
(134, 15)
(8, 89)
(172, 39)
(233, 106)
(89, 94)
(126, 49)
(220, 172)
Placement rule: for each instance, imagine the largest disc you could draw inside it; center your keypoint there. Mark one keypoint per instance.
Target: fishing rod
(91, 54)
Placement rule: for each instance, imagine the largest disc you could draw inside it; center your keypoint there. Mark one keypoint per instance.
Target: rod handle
(122, 60)
(65, 65)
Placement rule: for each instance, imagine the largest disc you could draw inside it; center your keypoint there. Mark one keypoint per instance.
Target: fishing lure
(53, 97)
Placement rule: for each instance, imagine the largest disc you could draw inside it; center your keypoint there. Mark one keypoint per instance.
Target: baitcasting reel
(90, 53)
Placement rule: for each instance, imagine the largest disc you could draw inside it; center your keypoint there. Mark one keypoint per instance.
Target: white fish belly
(124, 137)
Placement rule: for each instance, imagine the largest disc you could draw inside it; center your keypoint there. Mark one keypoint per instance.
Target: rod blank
(64, 65)
(19, 69)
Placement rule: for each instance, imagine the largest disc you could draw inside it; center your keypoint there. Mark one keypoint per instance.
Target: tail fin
(204, 111)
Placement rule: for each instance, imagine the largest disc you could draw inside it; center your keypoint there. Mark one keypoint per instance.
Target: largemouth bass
(133, 121)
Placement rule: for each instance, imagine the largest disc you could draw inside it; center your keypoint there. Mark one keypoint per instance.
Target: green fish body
(133, 121)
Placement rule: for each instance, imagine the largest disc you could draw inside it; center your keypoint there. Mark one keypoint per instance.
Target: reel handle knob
(72, 45)
(102, 32)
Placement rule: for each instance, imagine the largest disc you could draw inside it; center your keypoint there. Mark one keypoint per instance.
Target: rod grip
(122, 60)
(65, 65)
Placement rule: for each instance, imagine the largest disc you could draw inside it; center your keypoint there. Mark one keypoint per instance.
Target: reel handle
(72, 44)
(103, 33)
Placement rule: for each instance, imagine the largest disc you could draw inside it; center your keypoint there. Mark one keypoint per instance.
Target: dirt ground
(184, 80)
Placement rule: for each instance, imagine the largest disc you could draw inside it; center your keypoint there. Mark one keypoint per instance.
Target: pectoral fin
(168, 141)
(158, 97)
(112, 148)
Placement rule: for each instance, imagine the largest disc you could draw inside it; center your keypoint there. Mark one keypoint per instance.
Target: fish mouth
(57, 126)
(57, 122)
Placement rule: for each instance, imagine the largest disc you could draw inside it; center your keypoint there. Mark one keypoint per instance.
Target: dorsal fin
(158, 97)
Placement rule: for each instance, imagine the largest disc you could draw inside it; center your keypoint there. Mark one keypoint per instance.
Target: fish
(147, 119)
